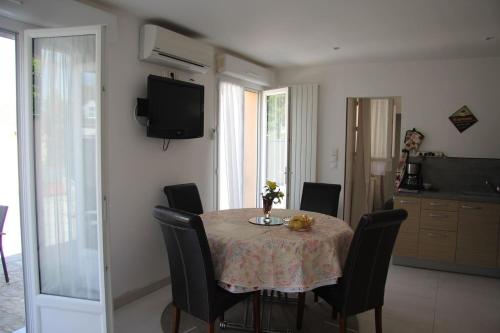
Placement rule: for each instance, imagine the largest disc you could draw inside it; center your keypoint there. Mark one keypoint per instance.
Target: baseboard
(447, 267)
(135, 294)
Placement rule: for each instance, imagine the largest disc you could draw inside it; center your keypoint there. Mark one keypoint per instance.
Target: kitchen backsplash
(458, 174)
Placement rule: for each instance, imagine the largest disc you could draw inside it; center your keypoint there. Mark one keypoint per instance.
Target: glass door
(67, 274)
(274, 143)
(237, 150)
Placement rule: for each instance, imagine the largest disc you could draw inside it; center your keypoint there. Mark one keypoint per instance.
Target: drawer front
(406, 244)
(438, 204)
(410, 225)
(478, 208)
(411, 205)
(437, 245)
(439, 220)
(477, 239)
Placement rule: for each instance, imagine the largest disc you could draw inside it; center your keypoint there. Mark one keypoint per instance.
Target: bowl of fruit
(300, 223)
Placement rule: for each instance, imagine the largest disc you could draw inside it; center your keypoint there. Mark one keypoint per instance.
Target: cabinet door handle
(470, 207)
(437, 204)
(407, 202)
(435, 235)
(438, 215)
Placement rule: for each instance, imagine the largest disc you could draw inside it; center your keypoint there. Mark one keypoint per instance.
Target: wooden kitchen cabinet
(478, 230)
(439, 220)
(437, 245)
(407, 241)
(438, 226)
(463, 236)
(498, 255)
(410, 204)
(406, 244)
(440, 204)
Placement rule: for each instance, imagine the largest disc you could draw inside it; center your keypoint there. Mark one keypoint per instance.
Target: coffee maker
(413, 179)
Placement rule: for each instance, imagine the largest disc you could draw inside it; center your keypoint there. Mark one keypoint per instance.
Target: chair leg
(176, 319)
(300, 309)
(256, 311)
(378, 319)
(4, 265)
(334, 313)
(211, 327)
(342, 324)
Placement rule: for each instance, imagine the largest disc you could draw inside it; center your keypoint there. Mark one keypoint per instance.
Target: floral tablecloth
(249, 257)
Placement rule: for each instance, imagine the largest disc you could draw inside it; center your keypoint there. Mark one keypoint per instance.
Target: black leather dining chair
(362, 286)
(3, 214)
(184, 197)
(194, 288)
(320, 198)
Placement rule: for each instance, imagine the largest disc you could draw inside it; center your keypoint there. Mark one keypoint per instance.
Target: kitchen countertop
(489, 197)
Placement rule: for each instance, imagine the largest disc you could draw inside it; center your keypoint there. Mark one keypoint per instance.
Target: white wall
(57, 13)
(431, 91)
(135, 167)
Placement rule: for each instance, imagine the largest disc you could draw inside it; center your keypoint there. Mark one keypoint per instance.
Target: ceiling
(283, 33)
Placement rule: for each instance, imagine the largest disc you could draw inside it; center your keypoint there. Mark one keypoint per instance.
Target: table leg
(300, 309)
(265, 325)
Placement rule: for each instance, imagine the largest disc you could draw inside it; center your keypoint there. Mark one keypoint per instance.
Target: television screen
(175, 108)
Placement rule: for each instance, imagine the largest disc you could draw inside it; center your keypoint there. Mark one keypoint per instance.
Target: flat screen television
(175, 108)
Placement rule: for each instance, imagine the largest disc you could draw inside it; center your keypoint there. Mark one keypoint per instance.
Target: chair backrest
(365, 270)
(191, 268)
(320, 198)
(3, 214)
(184, 197)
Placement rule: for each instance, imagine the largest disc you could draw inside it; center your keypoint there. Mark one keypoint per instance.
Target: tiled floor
(417, 300)
(12, 296)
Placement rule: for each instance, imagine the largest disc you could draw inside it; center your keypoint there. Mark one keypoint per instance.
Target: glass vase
(267, 205)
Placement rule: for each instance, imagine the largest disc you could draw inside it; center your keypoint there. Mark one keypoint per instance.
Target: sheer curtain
(230, 131)
(381, 136)
(64, 95)
(381, 133)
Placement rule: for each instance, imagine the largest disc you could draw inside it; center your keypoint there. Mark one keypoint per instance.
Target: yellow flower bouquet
(272, 194)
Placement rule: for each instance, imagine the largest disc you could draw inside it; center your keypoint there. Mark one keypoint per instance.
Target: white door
(61, 182)
(274, 143)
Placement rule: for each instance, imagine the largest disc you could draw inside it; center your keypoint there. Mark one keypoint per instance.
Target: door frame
(262, 147)
(27, 183)
(17, 28)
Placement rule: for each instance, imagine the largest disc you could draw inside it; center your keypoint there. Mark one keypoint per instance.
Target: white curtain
(230, 131)
(381, 136)
(64, 94)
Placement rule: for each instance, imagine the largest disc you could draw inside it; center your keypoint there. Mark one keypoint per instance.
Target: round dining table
(249, 257)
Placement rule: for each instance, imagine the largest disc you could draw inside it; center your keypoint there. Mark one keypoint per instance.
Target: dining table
(249, 257)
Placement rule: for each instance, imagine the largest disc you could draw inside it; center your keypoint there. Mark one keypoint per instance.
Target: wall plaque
(463, 118)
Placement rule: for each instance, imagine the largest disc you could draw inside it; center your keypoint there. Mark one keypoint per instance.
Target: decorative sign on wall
(463, 118)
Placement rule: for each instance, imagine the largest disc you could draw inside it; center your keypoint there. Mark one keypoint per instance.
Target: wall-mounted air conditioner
(164, 47)
(244, 70)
